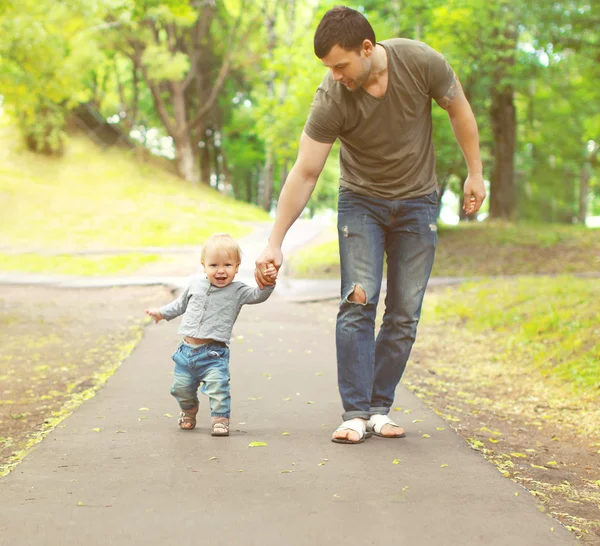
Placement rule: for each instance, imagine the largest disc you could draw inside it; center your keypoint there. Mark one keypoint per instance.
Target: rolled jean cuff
(213, 414)
(380, 411)
(347, 415)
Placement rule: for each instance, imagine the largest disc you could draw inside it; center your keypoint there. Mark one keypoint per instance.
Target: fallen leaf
(398, 409)
(212, 458)
(257, 398)
(142, 418)
(257, 444)
(443, 465)
(285, 471)
(425, 436)
(407, 411)
(440, 428)
(516, 493)
(552, 529)
(286, 399)
(537, 466)
(521, 455)
(405, 488)
(417, 420)
(551, 463)
(493, 440)
(336, 496)
(286, 433)
(144, 409)
(396, 461)
(121, 431)
(321, 464)
(80, 504)
(319, 373)
(240, 470)
(96, 429)
(250, 350)
(168, 415)
(310, 402)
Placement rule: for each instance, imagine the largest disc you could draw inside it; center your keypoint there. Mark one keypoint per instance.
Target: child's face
(220, 267)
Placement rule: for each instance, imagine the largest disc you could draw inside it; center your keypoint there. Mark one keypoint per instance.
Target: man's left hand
(474, 193)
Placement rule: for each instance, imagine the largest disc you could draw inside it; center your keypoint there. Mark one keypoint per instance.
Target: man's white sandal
(357, 425)
(377, 422)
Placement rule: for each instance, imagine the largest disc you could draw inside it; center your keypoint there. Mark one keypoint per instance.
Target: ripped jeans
(369, 370)
(206, 365)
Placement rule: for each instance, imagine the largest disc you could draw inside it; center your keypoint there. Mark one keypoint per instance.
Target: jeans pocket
(433, 198)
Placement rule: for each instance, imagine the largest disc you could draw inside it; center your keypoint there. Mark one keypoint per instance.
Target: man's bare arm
(294, 195)
(466, 133)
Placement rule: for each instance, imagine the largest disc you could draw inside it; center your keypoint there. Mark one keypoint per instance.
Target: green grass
(483, 249)
(75, 265)
(91, 198)
(551, 324)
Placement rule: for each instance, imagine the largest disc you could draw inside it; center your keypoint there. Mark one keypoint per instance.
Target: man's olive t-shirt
(386, 145)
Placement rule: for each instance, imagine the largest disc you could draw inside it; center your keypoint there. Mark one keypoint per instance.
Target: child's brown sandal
(187, 419)
(220, 428)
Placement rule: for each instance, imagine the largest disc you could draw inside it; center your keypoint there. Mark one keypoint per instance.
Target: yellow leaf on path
(321, 463)
(212, 458)
(493, 440)
(257, 398)
(396, 461)
(530, 450)
(310, 402)
(405, 488)
(80, 504)
(168, 415)
(336, 496)
(417, 420)
(324, 459)
(142, 418)
(551, 463)
(407, 411)
(144, 409)
(286, 399)
(398, 409)
(240, 470)
(319, 373)
(440, 428)
(257, 444)
(286, 433)
(552, 529)
(514, 454)
(96, 429)
(537, 466)
(516, 493)
(250, 350)
(443, 465)
(121, 431)
(425, 436)
(285, 471)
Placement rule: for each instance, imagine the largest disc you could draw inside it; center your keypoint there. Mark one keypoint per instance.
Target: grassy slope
(94, 199)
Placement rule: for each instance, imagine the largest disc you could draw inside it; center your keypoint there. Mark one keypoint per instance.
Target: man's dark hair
(344, 27)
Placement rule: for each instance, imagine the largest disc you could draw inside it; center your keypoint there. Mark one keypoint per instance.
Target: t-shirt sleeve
(441, 74)
(324, 122)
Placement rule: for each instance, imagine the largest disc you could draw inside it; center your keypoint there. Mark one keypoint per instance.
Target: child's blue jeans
(206, 366)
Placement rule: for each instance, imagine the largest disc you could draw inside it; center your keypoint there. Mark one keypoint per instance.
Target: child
(210, 307)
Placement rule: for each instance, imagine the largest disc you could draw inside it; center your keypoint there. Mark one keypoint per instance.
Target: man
(376, 98)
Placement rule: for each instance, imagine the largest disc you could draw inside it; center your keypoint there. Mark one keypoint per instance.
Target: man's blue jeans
(369, 370)
(206, 365)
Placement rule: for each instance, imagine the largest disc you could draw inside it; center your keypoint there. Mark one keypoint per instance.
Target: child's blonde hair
(222, 241)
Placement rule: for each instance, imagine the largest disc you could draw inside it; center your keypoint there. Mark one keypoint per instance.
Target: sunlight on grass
(75, 265)
(551, 324)
(105, 199)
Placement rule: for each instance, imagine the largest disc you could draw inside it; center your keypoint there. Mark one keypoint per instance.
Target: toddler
(210, 307)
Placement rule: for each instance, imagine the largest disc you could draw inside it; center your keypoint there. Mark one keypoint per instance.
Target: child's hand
(271, 272)
(155, 314)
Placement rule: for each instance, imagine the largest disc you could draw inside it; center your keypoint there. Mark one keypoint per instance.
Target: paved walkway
(140, 480)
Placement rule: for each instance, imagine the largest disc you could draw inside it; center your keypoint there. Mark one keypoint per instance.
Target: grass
(484, 249)
(549, 325)
(92, 199)
(75, 265)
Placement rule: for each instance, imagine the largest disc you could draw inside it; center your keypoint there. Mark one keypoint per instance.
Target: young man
(376, 99)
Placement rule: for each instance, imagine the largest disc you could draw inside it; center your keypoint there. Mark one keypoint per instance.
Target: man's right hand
(268, 256)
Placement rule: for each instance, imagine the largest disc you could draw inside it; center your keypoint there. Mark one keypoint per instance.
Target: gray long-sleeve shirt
(210, 312)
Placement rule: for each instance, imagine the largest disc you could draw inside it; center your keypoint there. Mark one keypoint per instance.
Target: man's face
(350, 68)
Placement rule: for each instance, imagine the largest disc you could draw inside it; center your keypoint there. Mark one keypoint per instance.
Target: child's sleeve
(251, 295)
(177, 307)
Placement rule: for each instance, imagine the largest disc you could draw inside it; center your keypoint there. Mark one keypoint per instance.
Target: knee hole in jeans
(357, 295)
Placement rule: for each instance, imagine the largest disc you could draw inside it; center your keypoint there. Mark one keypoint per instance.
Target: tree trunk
(584, 186)
(187, 164)
(504, 127)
